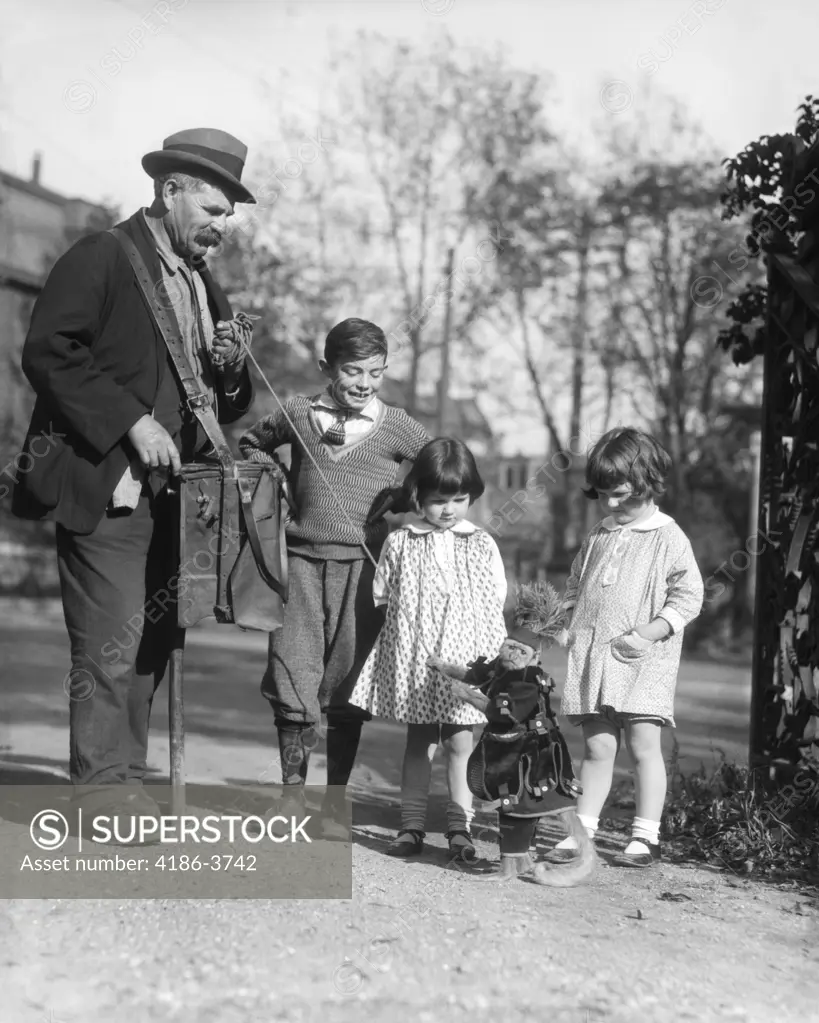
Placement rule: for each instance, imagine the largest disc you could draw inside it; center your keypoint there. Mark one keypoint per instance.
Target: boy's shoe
(335, 823)
(414, 847)
(654, 855)
(460, 846)
(510, 867)
(291, 803)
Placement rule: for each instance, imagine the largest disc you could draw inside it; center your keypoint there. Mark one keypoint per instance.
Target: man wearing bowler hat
(109, 398)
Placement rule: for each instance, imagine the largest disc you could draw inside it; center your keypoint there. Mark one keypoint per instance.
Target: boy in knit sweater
(347, 447)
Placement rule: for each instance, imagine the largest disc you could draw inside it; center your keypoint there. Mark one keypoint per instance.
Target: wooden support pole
(762, 668)
(176, 719)
(756, 454)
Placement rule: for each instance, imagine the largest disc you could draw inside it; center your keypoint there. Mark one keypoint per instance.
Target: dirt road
(417, 941)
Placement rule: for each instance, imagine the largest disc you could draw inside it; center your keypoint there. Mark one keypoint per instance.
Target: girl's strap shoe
(460, 846)
(400, 847)
(654, 855)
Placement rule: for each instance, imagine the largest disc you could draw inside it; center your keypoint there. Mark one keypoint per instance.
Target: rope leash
(243, 340)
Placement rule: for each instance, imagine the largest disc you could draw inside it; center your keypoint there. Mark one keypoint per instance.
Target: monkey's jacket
(521, 759)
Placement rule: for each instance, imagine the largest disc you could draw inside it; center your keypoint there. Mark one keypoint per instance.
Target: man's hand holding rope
(231, 342)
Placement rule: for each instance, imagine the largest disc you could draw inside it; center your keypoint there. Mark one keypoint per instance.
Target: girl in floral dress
(633, 587)
(444, 586)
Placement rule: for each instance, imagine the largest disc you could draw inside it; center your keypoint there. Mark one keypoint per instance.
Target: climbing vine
(760, 178)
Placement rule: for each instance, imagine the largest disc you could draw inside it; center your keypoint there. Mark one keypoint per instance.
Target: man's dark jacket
(98, 363)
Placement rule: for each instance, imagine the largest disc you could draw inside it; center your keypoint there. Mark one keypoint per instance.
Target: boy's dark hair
(352, 340)
(444, 466)
(626, 455)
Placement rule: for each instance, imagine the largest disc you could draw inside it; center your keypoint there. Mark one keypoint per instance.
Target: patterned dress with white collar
(444, 591)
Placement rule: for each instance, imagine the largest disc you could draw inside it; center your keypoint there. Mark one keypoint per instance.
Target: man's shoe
(654, 855)
(141, 797)
(122, 820)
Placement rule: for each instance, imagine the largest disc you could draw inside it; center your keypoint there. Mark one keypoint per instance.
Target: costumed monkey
(521, 759)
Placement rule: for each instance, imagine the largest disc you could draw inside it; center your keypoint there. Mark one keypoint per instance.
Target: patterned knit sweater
(331, 521)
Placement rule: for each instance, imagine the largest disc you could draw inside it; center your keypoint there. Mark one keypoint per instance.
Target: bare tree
(435, 128)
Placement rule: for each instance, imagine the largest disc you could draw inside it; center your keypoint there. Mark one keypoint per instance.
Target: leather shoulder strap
(196, 398)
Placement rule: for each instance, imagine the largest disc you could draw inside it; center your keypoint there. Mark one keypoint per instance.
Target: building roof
(36, 189)
(464, 416)
(23, 280)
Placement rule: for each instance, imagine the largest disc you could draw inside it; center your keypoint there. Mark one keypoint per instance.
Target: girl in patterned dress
(633, 587)
(444, 586)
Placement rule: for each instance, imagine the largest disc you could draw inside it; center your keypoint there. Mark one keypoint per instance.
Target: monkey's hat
(538, 615)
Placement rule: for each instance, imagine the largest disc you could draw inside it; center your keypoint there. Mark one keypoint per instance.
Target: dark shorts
(615, 717)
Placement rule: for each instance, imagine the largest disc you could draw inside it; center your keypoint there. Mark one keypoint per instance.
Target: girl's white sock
(589, 823)
(458, 818)
(643, 833)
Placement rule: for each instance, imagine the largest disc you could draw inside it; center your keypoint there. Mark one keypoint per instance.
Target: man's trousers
(119, 598)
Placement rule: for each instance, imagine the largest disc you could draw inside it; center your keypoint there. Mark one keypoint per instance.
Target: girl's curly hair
(626, 455)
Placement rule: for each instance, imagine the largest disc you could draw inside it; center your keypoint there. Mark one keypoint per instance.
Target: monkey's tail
(579, 869)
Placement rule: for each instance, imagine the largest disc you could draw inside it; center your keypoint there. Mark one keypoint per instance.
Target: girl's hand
(631, 646)
(563, 638)
(455, 671)
(654, 631)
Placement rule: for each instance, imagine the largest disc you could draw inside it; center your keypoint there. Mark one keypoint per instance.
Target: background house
(37, 226)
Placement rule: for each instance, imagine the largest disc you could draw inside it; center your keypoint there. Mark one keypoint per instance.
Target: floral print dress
(623, 577)
(444, 591)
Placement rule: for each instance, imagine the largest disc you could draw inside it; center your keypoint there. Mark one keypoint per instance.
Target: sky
(95, 84)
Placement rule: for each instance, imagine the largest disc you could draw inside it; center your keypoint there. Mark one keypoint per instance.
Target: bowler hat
(208, 149)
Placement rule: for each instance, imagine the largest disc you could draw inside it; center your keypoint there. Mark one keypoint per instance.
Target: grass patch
(734, 818)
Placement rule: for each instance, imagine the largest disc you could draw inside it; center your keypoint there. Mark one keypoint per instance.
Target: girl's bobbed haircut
(353, 340)
(626, 455)
(444, 466)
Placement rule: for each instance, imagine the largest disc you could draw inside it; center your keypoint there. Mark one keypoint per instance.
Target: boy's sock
(643, 833)
(296, 740)
(343, 737)
(589, 823)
